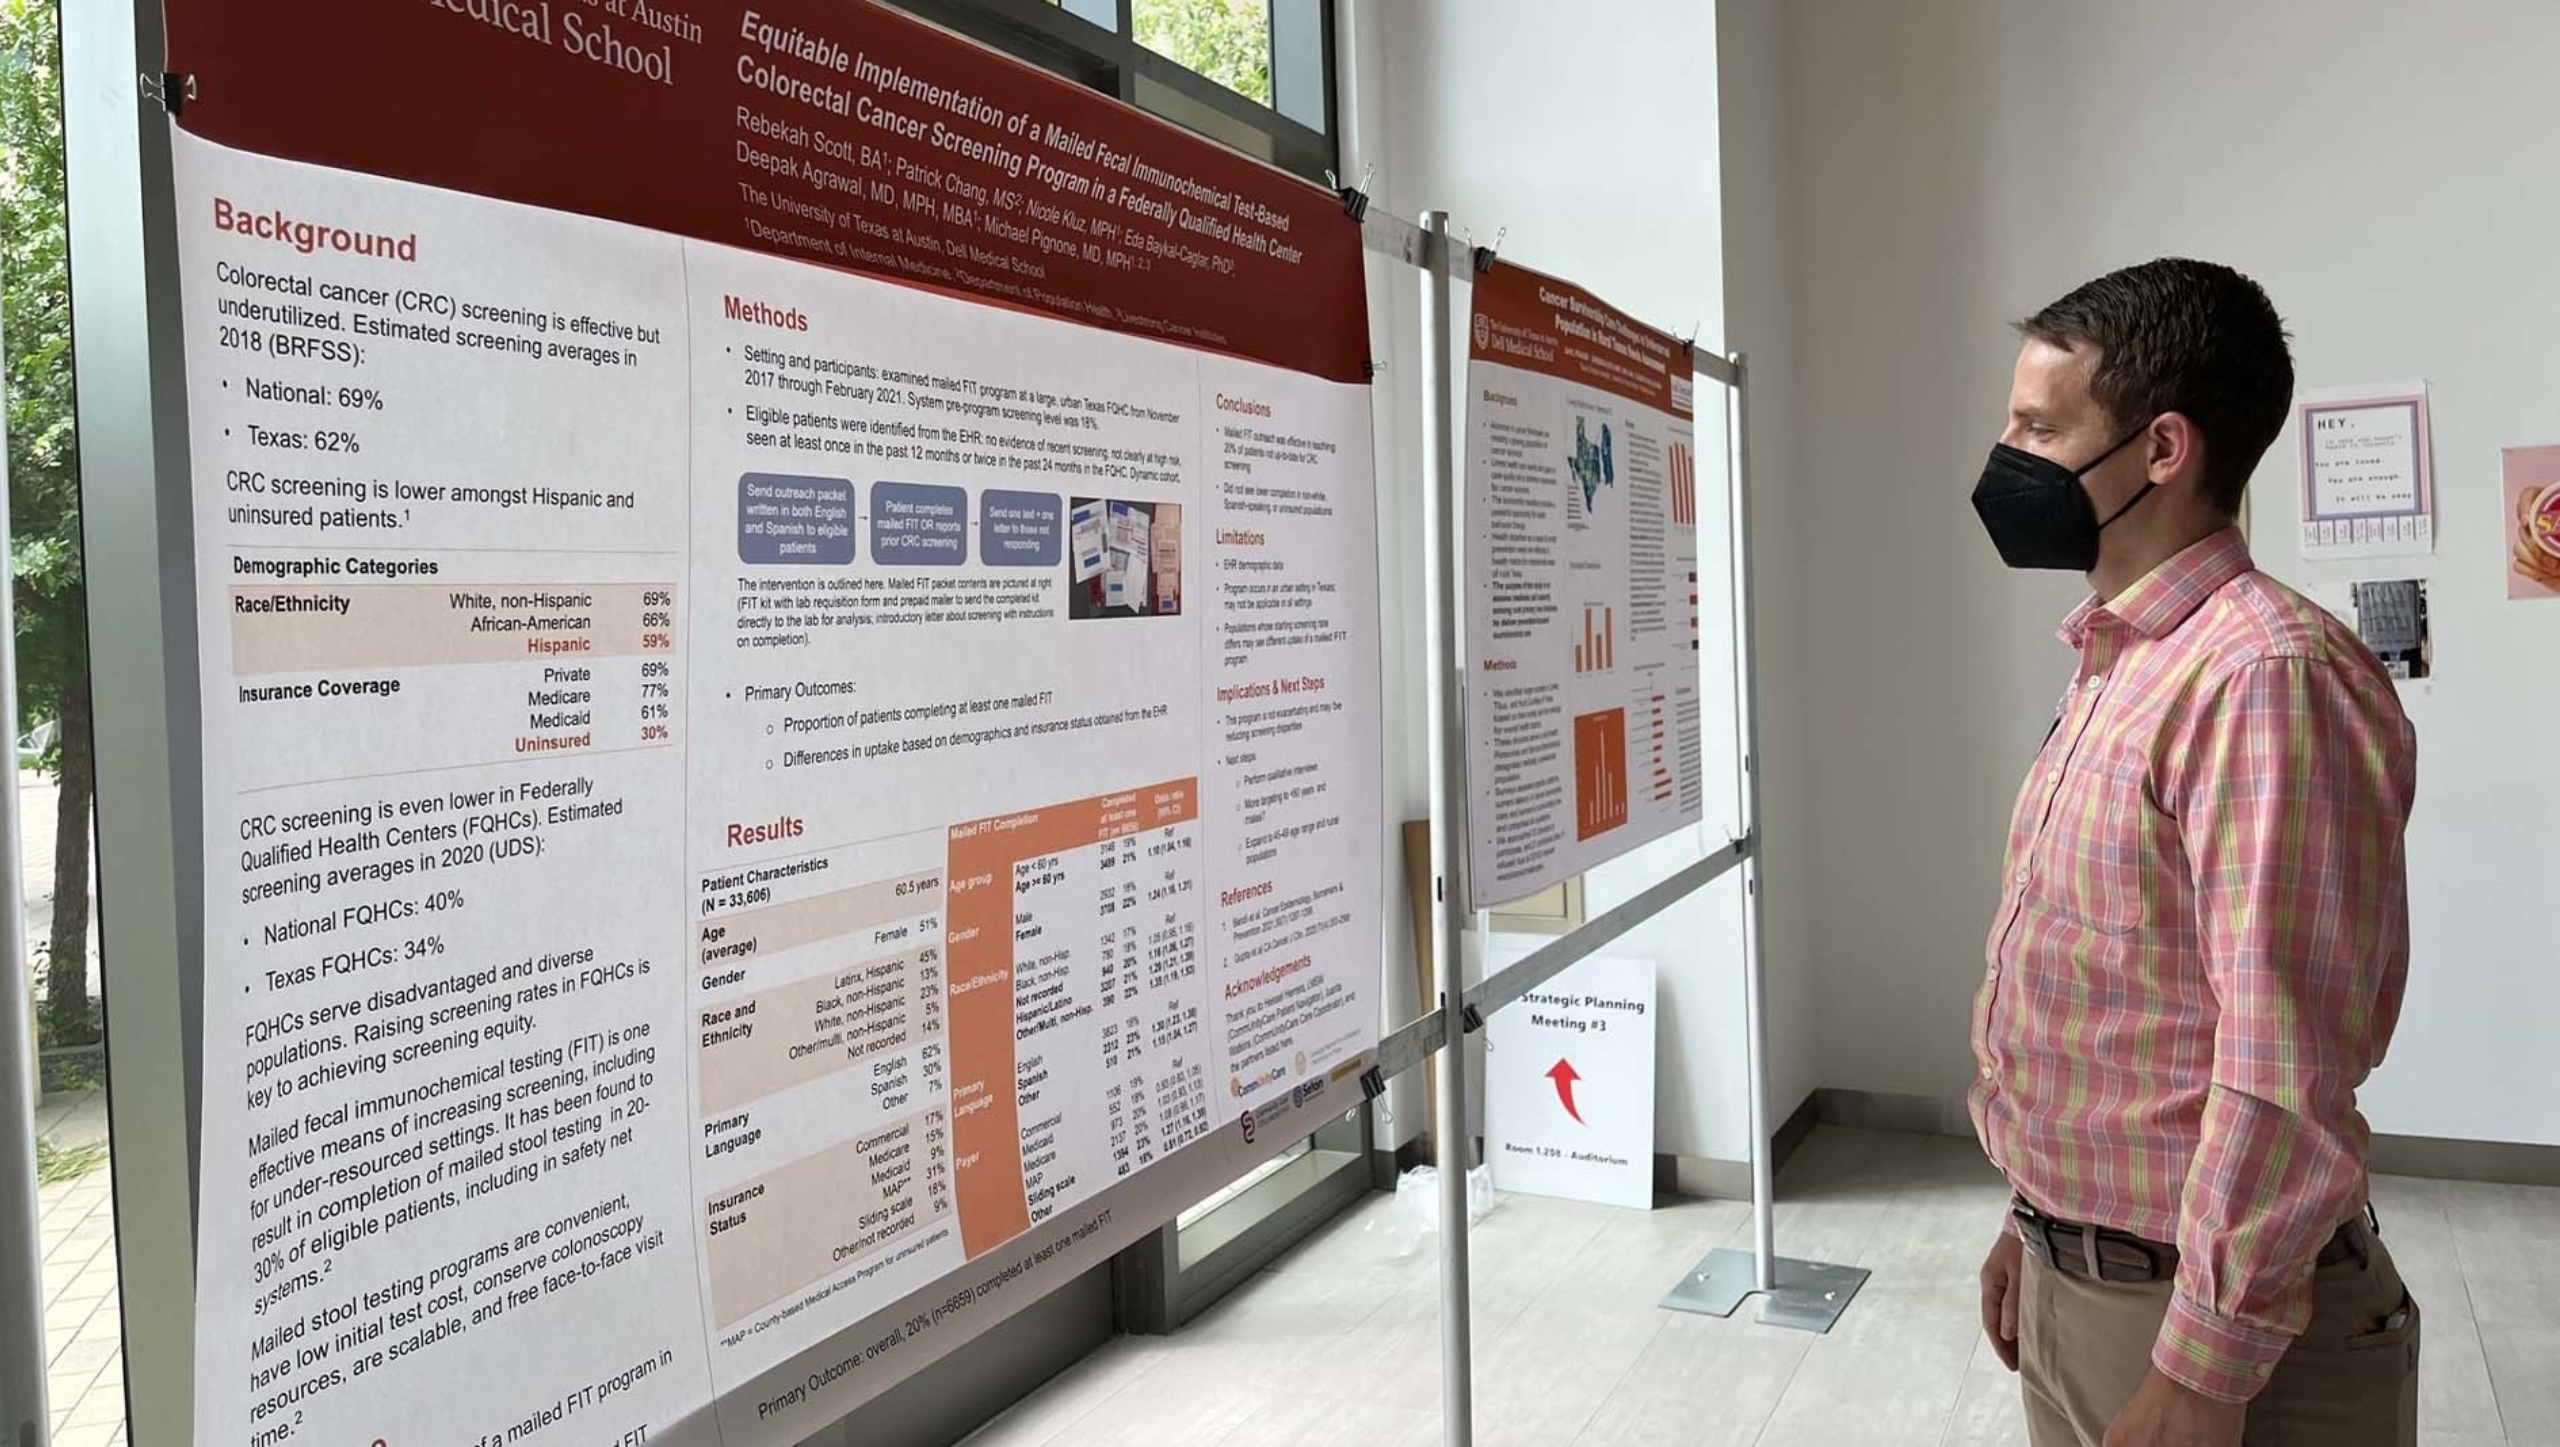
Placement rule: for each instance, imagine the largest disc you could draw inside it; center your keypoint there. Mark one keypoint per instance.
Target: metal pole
(1754, 983)
(137, 502)
(1448, 840)
(1795, 1293)
(23, 1415)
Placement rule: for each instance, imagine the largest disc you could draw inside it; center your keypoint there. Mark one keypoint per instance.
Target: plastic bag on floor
(1415, 1218)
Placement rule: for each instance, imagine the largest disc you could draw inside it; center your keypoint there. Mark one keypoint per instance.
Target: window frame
(1048, 35)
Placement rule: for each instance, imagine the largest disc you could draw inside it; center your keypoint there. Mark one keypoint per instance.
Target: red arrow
(1564, 1075)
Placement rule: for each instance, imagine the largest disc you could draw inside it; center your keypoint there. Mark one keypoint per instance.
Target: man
(2203, 928)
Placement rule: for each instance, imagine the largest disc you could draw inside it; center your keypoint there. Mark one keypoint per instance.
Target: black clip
(1373, 369)
(1355, 199)
(1483, 260)
(1470, 1020)
(171, 89)
(1372, 1084)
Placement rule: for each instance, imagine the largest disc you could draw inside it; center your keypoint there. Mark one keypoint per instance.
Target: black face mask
(2038, 514)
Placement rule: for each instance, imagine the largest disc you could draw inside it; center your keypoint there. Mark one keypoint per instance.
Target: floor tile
(1571, 1348)
(1875, 1394)
(1316, 1416)
(1072, 1393)
(1393, 1358)
(2420, 1237)
(2524, 1367)
(1634, 1262)
(1545, 1378)
(1989, 1412)
(2510, 1281)
(1168, 1405)
(1702, 1382)
(2454, 1390)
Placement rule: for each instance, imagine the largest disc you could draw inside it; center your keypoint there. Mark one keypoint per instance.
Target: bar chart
(1599, 772)
(1598, 650)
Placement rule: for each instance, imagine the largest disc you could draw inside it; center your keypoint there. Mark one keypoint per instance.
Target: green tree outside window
(1228, 41)
(44, 483)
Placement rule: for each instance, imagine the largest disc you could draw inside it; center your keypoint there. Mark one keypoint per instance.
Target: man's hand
(2165, 1414)
(2001, 1272)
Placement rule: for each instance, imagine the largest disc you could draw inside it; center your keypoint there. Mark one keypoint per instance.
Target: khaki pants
(2349, 1381)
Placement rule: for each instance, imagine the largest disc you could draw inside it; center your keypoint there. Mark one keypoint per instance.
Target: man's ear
(2174, 450)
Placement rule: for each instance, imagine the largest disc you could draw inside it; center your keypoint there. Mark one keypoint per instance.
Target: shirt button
(2022, 874)
(1986, 1072)
(2266, 1369)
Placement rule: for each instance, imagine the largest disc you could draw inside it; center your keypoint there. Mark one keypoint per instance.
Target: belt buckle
(2039, 1230)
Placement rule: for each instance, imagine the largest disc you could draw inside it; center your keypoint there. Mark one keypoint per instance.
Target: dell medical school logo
(1484, 331)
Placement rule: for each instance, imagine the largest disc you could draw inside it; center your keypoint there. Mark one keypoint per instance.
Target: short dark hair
(2191, 337)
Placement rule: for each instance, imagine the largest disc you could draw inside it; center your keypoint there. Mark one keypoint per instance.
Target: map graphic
(1593, 467)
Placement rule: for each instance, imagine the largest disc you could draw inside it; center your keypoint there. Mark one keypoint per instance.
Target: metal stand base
(1810, 1295)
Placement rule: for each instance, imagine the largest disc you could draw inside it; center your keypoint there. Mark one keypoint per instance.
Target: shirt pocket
(2099, 854)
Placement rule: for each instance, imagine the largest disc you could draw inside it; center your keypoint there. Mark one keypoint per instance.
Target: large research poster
(704, 909)
(1582, 624)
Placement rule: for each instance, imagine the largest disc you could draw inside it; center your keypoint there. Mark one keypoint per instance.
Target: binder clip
(1484, 254)
(1355, 199)
(171, 89)
(1372, 1084)
(1470, 1020)
(1374, 368)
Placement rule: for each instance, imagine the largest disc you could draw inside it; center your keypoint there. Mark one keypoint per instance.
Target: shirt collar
(2169, 594)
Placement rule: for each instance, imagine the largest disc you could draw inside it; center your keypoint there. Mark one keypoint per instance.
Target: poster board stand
(129, 355)
(1808, 1295)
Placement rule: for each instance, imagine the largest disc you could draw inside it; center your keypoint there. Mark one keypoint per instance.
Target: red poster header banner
(1532, 321)
(832, 131)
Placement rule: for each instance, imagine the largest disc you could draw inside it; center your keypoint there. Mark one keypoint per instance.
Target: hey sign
(1569, 1086)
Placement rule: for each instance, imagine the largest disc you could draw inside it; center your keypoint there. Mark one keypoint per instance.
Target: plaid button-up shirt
(2201, 945)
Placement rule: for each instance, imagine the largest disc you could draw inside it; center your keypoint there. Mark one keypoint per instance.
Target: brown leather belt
(2069, 1246)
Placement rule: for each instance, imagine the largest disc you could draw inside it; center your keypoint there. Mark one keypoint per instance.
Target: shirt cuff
(2214, 1355)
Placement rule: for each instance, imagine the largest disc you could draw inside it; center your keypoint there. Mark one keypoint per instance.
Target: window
(1228, 41)
(1256, 75)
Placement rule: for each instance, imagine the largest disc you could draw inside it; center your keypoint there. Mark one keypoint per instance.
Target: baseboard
(1713, 1178)
(2497, 1162)
(1798, 1127)
(1884, 1110)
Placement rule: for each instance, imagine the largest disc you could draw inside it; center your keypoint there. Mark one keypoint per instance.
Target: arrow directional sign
(1564, 1075)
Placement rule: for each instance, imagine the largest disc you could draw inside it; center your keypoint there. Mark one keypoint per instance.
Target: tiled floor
(1339, 1342)
(84, 1338)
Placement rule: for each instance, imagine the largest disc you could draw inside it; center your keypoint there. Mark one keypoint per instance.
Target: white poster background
(1569, 1084)
(1541, 788)
(461, 881)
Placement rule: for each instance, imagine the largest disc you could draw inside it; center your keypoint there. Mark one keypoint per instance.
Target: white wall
(2387, 171)
(1758, 217)
(1593, 147)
